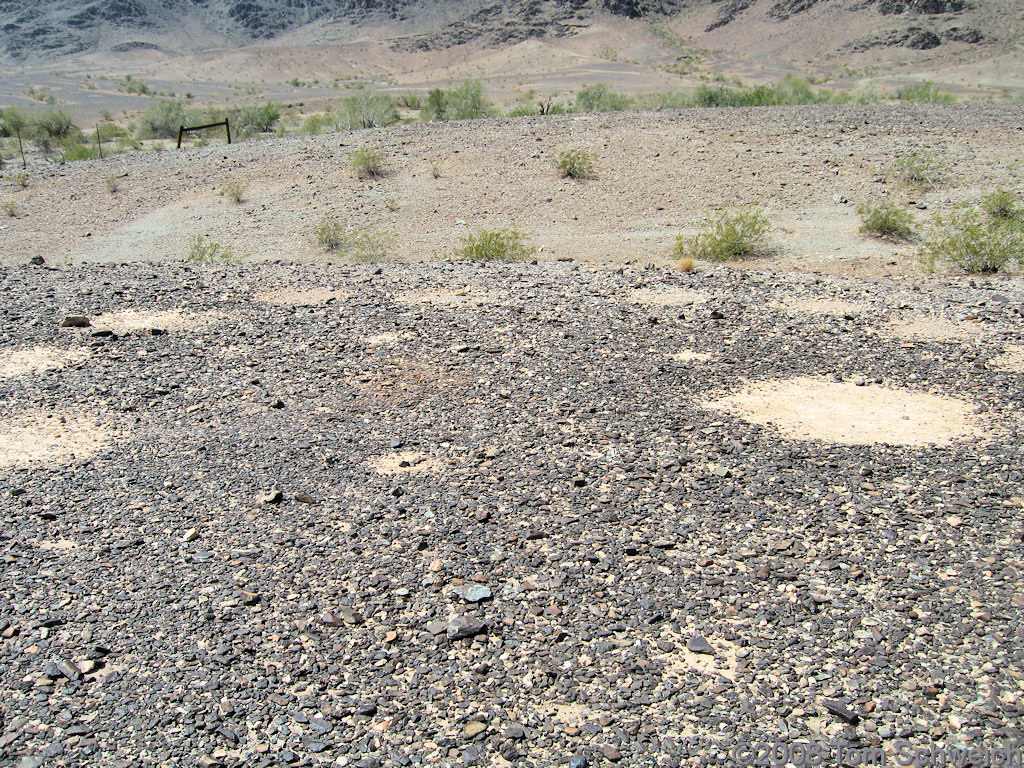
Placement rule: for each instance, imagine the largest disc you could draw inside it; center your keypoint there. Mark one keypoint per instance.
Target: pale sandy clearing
(23, 362)
(933, 329)
(668, 298)
(382, 339)
(1011, 360)
(37, 438)
(689, 356)
(572, 715)
(682, 661)
(836, 307)
(301, 297)
(406, 461)
(812, 409)
(458, 298)
(170, 320)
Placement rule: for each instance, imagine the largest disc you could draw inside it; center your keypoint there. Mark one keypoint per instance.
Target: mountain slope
(36, 30)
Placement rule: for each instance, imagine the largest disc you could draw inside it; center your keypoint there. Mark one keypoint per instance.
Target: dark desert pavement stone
(882, 578)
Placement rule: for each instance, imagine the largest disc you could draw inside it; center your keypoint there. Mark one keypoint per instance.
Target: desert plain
(580, 509)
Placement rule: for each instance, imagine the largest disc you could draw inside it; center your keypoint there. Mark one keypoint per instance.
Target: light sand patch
(689, 356)
(23, 362)
(572, 715)
(406, 461)
(382, 339)
(1011, 360)
(836, 307)
(170, 320)
(36, 438)
(934, 329)
(61, 545)
(464, 297)
(301, 297)
(680, 662)
(671, 297)
(811, 409)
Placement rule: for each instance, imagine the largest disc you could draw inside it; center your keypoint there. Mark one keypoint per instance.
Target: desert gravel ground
(548, 514)
(659, 175)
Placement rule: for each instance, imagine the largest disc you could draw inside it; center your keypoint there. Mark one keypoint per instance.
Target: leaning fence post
(227, 124)
(99, 144)
(181, 132)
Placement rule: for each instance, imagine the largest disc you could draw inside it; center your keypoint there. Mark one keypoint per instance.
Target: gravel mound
(583, 559)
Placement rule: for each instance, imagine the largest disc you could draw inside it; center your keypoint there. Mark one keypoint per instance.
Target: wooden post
(22, 150)
(99, 144)
(183, 129)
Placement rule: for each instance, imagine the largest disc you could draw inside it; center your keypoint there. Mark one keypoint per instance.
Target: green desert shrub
(731, 236)
(9, 208)
(366, 109)
(56, 123)
(368, 162)
(206, 251)
(233, 191)
(601, 98)
(162, 120)
(975, 242)
(886, 220)
(495, 245)
(921, 170)
(360, 244)
(466, 102)
(319, 123)
(576, 164)
(410, 100)
(926, 93)
(1003, 204)
(249, 121)
(75, 150)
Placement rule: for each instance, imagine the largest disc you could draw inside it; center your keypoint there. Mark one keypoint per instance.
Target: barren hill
(30, 31)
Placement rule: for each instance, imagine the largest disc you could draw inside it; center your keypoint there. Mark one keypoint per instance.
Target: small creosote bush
(368, 163)
(233, 191)
(113, 184)
(575, 164)
(921, 170)
(975, 243)
(730, 236)
(205, 251)
(496, 245)
(1003, 204)
(359, 244)
(21, 179)
(9, 208)
(886, 220)
(435, 171)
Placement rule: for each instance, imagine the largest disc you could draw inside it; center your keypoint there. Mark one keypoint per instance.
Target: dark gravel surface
(580, 563)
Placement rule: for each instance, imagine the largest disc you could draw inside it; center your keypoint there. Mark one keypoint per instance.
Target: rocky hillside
(32, 30)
